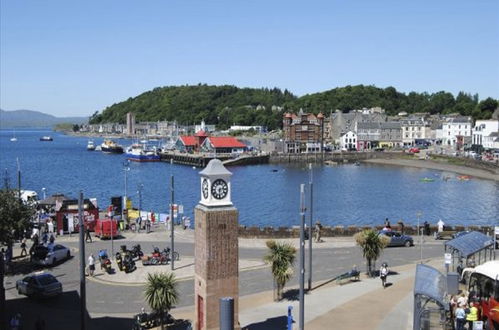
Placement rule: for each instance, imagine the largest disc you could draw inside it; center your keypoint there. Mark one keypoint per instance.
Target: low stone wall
(339, 231)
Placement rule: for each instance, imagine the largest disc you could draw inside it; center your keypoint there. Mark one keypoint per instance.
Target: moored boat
(141, 153)
(110, 146)
(46, 138)
(426, 179)
(90, 145)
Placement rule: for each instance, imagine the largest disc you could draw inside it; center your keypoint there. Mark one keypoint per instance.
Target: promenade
(112, 300)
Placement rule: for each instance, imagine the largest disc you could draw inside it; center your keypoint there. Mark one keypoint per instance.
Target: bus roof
(489, 269)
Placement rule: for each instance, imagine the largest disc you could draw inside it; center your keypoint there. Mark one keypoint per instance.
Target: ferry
(110, 146)
(141, 153)
(46, 138)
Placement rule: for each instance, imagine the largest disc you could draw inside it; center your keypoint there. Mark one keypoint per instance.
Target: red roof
(188, 140)
(201, 133)
(226, 142)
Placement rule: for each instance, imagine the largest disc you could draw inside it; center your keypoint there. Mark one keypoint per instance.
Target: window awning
(470, 243)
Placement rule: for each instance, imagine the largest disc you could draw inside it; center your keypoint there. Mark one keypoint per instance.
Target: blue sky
(71, 58)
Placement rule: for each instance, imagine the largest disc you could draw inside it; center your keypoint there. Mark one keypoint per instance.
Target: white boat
(46, 138)
(90, 145)
(13, 138)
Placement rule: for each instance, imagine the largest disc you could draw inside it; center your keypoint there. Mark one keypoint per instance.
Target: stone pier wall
(339, 231)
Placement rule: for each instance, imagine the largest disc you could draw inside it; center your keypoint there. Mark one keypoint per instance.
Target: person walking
(460, 317)
(23, 248)
(88, 238)
(91, 265)
(383, 273)
(318, 228)
(440, 225)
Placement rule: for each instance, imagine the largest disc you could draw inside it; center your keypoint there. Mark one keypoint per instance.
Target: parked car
(50, 254)
(397, 239)
(414, 150)
(39, 285)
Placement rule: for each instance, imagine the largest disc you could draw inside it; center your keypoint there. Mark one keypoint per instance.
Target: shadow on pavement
(274, 323)
(291, 295)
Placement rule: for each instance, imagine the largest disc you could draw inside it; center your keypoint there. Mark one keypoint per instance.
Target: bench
(351, 275)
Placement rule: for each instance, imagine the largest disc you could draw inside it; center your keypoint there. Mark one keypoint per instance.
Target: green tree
(15, 216)
(372, 244)
(161, 293)
(281, 257)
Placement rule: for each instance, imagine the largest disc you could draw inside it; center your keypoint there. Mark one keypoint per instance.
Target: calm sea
(266, 195)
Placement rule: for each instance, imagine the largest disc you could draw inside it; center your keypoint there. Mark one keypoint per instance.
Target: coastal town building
(369, 135)
(259, 129)
(340, 123)
(205, 128)
(390, 135)
(130, 123)
(191, 143)
(303, 132)
(486, 134)
(415, 129)
(223, 144)
(455, 130)
(348, 141)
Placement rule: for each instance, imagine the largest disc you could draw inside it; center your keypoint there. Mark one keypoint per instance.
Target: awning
(470, 243)
(430, 283)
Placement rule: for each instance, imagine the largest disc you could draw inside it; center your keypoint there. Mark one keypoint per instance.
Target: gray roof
(494, 134)
(391, 125)
(431, 283)
(368, 125)
(470, 243)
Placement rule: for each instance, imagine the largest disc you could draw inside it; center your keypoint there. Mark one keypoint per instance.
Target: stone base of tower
(216, 264)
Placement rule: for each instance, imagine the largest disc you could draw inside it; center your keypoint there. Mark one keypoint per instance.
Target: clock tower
(216, 272)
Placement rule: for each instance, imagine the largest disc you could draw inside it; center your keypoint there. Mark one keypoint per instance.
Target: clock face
(219, 189)
(204, 188)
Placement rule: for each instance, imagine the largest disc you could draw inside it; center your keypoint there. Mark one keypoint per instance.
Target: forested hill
(221, 105)
(228, 105)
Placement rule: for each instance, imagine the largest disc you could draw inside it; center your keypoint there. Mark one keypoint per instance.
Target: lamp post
(302, 257)
(172, 216)
(126, 168)
(139, 191)
(310, 228)
(420, 237)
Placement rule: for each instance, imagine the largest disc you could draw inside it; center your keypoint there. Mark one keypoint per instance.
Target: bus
(484, 282)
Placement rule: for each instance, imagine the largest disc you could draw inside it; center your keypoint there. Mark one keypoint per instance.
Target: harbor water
(265, 195)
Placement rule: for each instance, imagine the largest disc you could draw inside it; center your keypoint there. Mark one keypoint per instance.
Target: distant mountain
(29, 118)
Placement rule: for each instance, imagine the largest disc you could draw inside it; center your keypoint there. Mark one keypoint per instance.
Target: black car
(39, 285)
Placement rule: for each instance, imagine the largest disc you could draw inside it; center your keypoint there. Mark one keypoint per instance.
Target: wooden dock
(202, 159)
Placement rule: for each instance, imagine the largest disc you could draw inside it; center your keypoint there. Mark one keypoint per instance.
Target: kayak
(426, 180)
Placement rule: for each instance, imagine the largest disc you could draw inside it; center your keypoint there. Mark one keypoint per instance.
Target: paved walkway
(353, 305)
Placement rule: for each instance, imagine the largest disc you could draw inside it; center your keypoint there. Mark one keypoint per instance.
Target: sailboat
(13, 138)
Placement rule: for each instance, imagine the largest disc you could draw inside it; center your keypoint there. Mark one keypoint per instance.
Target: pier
(202, 159)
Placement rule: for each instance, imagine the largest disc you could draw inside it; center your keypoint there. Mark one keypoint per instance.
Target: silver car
(39, 285)
(51, 254)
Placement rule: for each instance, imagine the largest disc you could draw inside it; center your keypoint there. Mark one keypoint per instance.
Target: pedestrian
(45, 238)
(383, 274)
(91, 265)
(387, 222)
(440, 225)
(51, 239)
(318, 229)
(401, 226)
(88, 238)
(460, 317)
(472, 316)
(23, 248)
(148, 226)
(426, 227)
(184, 218)
(139, 223)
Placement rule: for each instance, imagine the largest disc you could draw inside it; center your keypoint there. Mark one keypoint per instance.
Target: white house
(485, 133)
(454, 130)
(348, 140)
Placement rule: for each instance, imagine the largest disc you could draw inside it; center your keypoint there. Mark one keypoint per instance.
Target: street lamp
(419, 214)
(126, 168)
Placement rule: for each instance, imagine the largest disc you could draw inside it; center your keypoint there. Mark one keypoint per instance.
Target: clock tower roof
(215, 168)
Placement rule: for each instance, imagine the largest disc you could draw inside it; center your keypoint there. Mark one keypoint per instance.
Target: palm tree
(281, 256)
(161, 293)
(372, 244)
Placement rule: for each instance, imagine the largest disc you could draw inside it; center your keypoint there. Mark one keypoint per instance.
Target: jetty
(202, 159)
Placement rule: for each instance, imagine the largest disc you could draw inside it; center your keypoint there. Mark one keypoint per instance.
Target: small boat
(141, 153)
(90, 145)
(46, 138)
(357, 163)
(426, 179)
(463, 177)
(13, 138)
(110, 146)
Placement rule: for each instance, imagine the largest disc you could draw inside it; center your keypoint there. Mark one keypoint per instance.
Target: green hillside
(227, 105)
